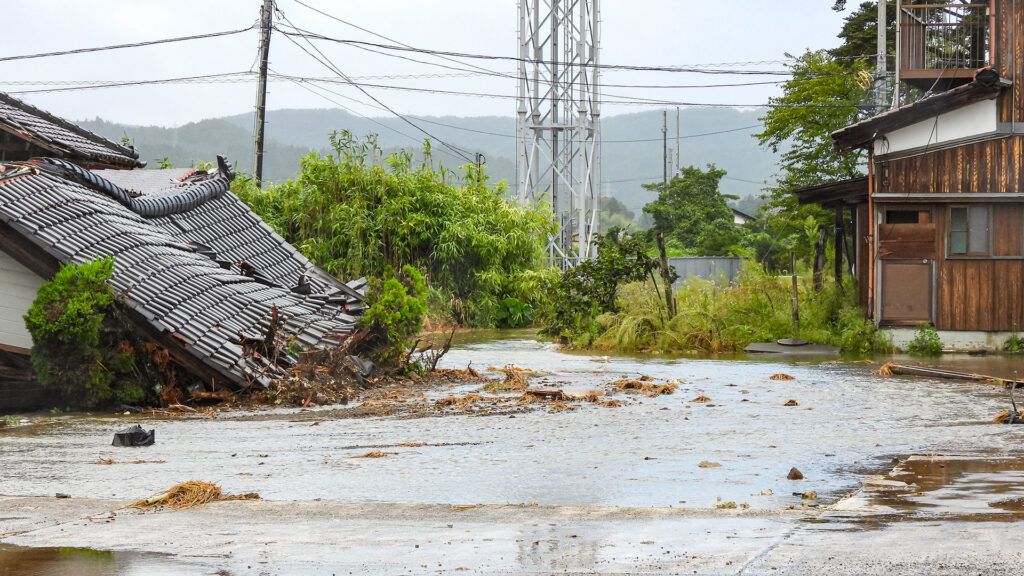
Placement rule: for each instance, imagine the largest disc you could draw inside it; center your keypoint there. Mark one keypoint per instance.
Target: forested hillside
(631, 144)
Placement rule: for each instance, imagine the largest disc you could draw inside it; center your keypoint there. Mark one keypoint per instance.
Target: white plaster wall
(971, 120)
(18, 287)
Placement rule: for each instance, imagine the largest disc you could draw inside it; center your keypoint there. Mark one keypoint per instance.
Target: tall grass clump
(720, 317)
(354, 216)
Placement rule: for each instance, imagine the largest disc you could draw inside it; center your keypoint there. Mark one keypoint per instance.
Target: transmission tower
(559, 119)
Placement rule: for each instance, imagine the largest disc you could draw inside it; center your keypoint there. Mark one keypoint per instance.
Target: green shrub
(1014, 343)
(926, 342)
(83, 350)
(396, 312)
(353, 217)
(512, 313)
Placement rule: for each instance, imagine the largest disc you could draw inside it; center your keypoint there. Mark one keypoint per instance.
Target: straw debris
(645, 387)
(791, 402)
(781, 376)
(191, 494)
(1003, 416)
(701, 399)
(885, 370)
(375, 454)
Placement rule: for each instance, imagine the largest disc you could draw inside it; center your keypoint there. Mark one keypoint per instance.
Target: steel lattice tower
(559, 119)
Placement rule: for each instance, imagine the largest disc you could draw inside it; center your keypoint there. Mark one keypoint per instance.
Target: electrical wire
(401, 48)
(131, 45)
(226, 77)
(331, 66)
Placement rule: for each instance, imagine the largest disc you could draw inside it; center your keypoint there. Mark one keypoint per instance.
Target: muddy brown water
(19, 561)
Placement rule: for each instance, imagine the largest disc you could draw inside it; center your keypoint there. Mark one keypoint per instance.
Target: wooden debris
(109, 461)
(929, 372)
(707, 464)
(545, 393)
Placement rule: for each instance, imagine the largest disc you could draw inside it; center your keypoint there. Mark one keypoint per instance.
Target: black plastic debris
(363, 369)
(134, 436)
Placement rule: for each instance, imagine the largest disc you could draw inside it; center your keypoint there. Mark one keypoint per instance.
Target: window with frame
(969, 230)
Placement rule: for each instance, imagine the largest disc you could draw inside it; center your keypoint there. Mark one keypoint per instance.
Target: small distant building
(740, 218)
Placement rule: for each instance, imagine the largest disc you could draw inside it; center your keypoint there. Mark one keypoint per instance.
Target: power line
(120, 46)
(330, 66)
(381, 36)
(226, 77)
(696, 70)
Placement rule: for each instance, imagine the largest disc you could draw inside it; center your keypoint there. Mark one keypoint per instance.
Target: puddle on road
(20, 561)
(959, 486)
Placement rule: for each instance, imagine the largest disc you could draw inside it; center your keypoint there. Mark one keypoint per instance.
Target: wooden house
(939, 219)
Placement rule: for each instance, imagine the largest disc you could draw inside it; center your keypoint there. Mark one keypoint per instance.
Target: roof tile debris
(190, 258)
(62, 138)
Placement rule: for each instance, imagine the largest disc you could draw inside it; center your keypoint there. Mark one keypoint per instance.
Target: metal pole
(664, 150)
(677, 142)
(261, 89)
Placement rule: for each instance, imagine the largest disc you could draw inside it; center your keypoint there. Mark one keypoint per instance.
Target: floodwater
(647, 453)
(19, 561)
(848, 425)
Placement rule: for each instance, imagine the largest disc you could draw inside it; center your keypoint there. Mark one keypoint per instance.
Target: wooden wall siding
(1006, 230)
(906, 241)
(991, 166)
(1008, 38)
(981, 294)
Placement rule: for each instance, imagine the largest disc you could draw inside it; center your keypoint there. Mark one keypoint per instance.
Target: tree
(860, 33)
(820, 98)
(693, 215)
(614, 214)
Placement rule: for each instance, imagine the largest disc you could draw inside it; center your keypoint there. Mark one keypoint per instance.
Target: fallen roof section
(191, 260)
(987, 85)
(63, 139)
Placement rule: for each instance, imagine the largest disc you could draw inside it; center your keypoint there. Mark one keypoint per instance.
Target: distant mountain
(631, 151)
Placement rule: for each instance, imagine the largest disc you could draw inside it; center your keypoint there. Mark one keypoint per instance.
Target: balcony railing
(944, 37)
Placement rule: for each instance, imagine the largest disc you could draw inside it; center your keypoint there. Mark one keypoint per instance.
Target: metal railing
(944, 36)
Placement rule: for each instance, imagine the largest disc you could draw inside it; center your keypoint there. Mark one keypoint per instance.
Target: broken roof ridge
(198, 187)
(70, 126)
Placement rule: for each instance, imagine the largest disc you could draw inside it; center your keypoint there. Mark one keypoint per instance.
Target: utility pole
(261, 90)
(881, 81)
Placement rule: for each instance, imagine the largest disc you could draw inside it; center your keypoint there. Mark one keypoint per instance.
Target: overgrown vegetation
(692, 214)
(83, 348)
(926, 342)
(1014, 343)
(581, 293)
(355, 216)
(718, 317)
(395, 315)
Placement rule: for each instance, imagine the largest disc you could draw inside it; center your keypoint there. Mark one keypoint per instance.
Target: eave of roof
(864, 132)
(102, 152)
(850, 191)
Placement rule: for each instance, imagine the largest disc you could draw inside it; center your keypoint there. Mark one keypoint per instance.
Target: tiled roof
(190, 258)
(62, 138)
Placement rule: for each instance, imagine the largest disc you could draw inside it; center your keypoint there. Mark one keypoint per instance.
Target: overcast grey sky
(634, 32)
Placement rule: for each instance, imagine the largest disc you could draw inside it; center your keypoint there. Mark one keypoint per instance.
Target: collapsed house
(199, 273)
